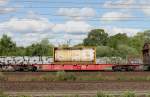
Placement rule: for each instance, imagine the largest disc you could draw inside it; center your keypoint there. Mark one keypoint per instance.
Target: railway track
(73, 86)
(66, 88)
(73, 93)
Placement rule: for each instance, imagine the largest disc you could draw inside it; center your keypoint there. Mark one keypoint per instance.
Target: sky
(59, 21)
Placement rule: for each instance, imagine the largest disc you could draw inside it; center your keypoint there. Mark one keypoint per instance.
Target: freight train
(75, 59)
(67, 59)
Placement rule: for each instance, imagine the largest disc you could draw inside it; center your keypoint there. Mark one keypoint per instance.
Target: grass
(129, 94)
(73, 76)
(125, 94)
(5, 95)
(99, 94)
(3, 77)
(24, 96)
(47, 77)
(58, 76)
(2, 94)
(62, 76)
(148, 95)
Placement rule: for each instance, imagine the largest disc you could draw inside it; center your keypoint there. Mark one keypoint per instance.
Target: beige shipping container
(82, 55)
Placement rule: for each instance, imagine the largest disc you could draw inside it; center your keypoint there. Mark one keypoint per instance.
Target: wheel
(130, 68)
(34, 69)
(116, 68)
(146, 68)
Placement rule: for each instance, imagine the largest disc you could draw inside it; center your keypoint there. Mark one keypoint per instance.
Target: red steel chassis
(73, 67)
(79, 67)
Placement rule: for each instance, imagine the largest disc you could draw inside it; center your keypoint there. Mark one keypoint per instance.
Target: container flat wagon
(72, 59)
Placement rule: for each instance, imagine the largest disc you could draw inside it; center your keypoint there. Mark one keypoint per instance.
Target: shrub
(129, 94)
(51, 96)
(101, 94)
(71, 77)
(46, 77)
(61, 75)
(66, 96)
(76, 95)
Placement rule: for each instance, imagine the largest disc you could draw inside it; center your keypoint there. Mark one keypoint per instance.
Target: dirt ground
(56, 87)
(101, 86)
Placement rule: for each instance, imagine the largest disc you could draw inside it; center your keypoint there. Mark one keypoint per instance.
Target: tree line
(9, 48)
(119, 45)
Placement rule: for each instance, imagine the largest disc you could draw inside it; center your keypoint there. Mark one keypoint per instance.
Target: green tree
(117, 39)
(47, 48)
(40, 49)
(147, 36)
(7, 46)
(96, 37)
(123, 45)
(103, 51)
(20, 51)
(125, 50)
(137, 42)
(139, 39)
(79, 45)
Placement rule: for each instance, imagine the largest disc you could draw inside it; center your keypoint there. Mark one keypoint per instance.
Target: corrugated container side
(76, 55)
